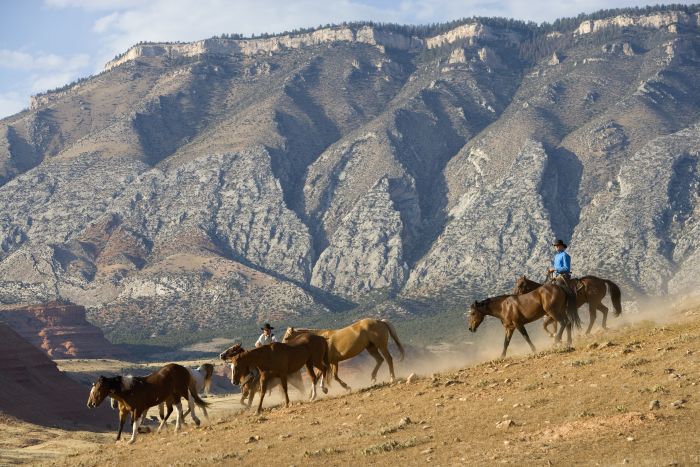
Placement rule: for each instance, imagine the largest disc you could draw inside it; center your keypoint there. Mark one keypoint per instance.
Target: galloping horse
(136, 395)
(251, 384)
(594, 290)
(515, 311)
(280, 360)
(366, 334)
(202, 377)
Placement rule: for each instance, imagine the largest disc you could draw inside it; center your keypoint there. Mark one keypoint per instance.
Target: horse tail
(572, 311)
(195, 394)
(208, 373)
(394, 336)
(615, 296)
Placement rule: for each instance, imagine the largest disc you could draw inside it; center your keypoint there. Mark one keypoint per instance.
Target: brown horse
(515, 311)
(135, 395)
(202, 376)
(366, 334)
(593, 291)
(251, 384)
(280, 360)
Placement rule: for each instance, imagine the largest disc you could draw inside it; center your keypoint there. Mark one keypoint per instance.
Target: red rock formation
(60, 330)
(33, 389)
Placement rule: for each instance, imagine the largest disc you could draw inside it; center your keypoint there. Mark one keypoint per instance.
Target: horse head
(290, 334)
(102, 388)
(240, 369)
(231, 352)
(476, 315)
(520, 285)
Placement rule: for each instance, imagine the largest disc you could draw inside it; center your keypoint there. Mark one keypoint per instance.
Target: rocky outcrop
(652, 21)
(643, 230)
(59, 330)
(365, 35)
(34, 390)
(492, 236)
(372, 232)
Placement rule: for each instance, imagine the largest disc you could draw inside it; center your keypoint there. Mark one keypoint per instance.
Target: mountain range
(191, 187)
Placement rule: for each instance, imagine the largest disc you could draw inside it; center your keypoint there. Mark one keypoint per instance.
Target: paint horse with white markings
(135, 395)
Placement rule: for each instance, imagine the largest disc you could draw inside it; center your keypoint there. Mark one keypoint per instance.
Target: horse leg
(136, 421)
(190, 408)
(523, 331)
(548, 321)
(283, 382)
(390, 361)
(568, 335)
(604, 309)
(314, 379)
(122, 419)
(164, 421)
(252, 389)
(509, 334)
(592, 316)
(334, 370)
(372, 349)
(263, 388)
(180, 417)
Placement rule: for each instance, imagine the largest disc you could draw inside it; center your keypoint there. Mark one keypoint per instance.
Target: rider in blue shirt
(561, 264)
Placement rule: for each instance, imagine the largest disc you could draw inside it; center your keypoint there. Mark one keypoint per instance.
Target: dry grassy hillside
(586, 406)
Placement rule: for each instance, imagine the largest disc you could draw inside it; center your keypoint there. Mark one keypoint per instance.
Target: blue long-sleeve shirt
(562, 263)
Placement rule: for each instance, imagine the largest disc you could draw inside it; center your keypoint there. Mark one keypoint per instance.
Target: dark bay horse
(280, 360)
(251, 384)
(345, 343)
(136, 394)
(593, 291)
(515, 311)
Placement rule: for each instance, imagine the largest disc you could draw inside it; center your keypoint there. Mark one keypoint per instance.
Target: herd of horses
(320, 350)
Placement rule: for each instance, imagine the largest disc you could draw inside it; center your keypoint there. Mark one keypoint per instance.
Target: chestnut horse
(366, 334)
(135, 395)
(280, 360)
(515, 311)
(251, 384)
(594, 290)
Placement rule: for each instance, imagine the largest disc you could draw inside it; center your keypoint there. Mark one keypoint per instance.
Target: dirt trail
(587, 406)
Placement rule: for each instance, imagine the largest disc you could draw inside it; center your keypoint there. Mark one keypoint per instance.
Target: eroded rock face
(59, 330)
(644, 230)
(365, 252)
(492, 236)
(654, 21)
(33, 389)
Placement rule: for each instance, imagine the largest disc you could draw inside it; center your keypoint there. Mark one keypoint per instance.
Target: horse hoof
(197, 422)
(131, 441)
(325, 390)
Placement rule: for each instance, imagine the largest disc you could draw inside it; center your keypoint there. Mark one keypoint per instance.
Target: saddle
(570, 286)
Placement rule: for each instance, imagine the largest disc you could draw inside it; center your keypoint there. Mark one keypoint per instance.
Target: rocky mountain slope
(33, 389)
(59, 330)
(193, 187)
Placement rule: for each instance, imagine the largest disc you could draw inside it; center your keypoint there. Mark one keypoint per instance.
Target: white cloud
(37, 73)
(11, 103)
(19, 60)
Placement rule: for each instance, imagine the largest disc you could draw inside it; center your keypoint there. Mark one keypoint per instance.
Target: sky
(45, 44)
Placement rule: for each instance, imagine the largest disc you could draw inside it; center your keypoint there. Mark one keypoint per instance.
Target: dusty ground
(587, 406)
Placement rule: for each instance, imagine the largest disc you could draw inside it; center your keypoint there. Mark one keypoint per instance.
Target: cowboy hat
(558, 242)
(267, 326)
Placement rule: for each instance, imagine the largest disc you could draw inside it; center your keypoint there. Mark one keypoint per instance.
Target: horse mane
(127, 382)
(488, 300)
